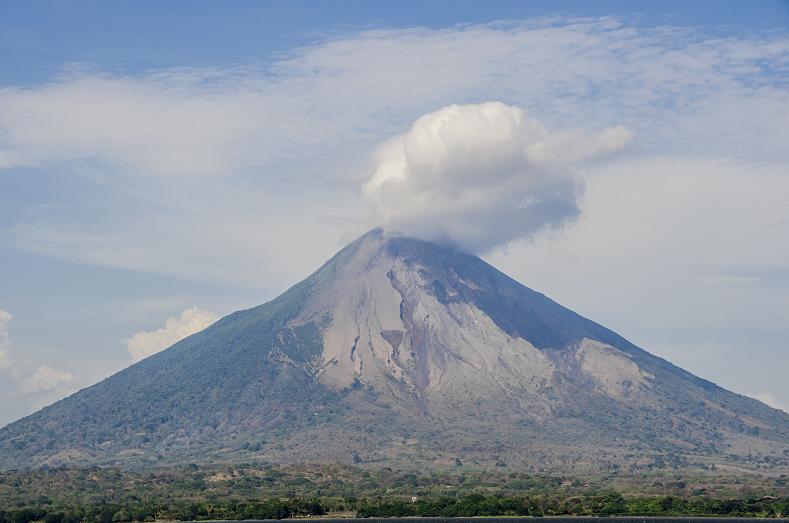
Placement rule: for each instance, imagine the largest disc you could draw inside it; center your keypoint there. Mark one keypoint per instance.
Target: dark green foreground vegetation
(237, 492)
(471, 505)
(605, 504)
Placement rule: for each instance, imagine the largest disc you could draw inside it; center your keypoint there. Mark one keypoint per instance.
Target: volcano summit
(400, 351)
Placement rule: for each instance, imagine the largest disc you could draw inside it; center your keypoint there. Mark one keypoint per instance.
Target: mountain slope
(399, 351)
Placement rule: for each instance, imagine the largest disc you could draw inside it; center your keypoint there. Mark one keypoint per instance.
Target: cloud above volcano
(483, 175)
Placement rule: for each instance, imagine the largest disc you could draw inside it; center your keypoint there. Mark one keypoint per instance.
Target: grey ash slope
(404, 352)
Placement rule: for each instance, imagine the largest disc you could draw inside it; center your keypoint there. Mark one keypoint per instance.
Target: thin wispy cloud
(267, 133)
(210, 174)
(363, 86)
(5, 351)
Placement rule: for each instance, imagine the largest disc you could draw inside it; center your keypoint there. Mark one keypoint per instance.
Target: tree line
(607, 504)
(469, 505)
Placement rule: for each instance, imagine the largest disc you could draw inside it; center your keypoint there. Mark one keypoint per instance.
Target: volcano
(403, 352)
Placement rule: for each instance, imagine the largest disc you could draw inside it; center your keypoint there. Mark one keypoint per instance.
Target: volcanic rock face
(396, 327)
(403, 352)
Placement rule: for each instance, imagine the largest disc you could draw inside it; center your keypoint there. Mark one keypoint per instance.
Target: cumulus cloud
(145, 343)
(482, 175)
(25, 385)
(770, 399)
(709, 110)
(272, 131)
(46, 379)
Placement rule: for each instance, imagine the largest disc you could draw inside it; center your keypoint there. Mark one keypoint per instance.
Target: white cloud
(146, 343)
(26, 388)
(46, 379)
(770, 399)
(687, 257)
(731, 279)
(482, 175)
(153, 124)
(662, 238)
(354, 90)
(5, 354)
(249, 175)
(249, 144)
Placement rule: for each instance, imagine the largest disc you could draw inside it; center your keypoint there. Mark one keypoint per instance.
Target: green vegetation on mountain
(408, 354)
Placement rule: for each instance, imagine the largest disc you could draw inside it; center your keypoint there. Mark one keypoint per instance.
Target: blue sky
(38, 38)
(181, 160)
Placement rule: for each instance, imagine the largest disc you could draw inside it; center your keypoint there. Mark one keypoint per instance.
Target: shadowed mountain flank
(400, 351)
